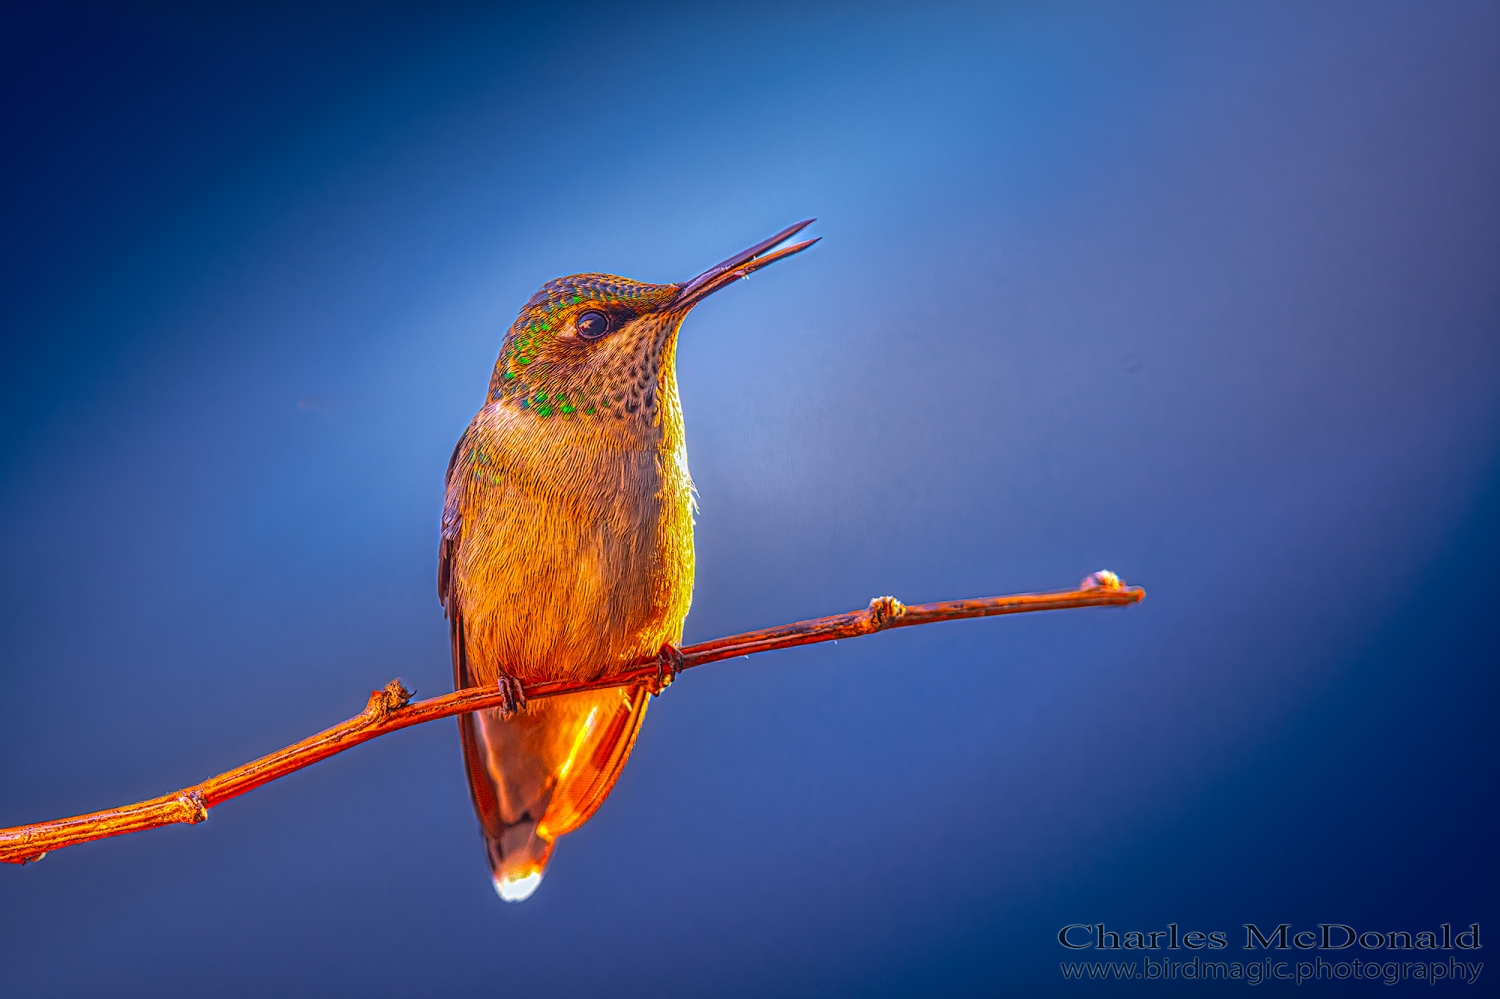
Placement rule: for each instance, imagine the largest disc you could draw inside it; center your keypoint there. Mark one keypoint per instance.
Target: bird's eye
(592, 325)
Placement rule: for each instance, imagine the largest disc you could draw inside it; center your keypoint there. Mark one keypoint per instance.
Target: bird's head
(595, 347)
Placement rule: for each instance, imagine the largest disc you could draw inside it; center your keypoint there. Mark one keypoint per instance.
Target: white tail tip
(518, 889)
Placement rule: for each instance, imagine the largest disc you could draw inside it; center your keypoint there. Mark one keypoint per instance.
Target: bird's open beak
(742, 264)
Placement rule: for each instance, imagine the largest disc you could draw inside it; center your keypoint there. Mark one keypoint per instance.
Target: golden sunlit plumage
(567, 546)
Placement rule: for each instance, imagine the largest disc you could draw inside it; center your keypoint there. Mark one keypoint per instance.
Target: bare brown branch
(388, 710)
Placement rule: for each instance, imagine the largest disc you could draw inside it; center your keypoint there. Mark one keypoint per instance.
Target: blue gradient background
(1209, 296)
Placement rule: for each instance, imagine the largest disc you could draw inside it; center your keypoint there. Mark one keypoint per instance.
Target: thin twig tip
(1106, 580)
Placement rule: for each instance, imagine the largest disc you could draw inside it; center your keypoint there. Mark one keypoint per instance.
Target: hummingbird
(567, 547)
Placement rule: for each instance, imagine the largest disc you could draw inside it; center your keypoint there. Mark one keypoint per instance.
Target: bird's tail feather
(543, 772)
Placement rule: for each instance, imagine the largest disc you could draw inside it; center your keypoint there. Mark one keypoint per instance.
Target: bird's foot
(514, 693)
(668, 665)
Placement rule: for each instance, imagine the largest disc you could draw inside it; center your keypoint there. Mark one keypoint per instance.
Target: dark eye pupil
(592, 325)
